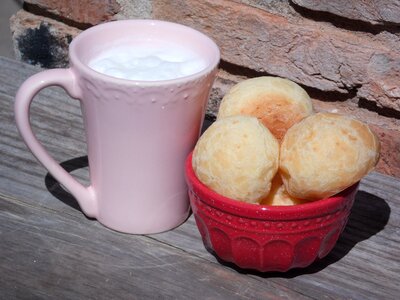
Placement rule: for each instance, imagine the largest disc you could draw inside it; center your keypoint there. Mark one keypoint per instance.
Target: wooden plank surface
(49, 249)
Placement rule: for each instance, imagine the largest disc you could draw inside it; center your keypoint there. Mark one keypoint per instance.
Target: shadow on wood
(369, 215)
(56, 189)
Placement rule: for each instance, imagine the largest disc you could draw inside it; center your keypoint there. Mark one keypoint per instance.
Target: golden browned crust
(278, 103)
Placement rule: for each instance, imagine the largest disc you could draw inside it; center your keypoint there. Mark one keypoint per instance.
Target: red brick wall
(345, 53)
(79, 12)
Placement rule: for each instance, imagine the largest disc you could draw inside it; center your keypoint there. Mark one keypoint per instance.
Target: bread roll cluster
(269, 147)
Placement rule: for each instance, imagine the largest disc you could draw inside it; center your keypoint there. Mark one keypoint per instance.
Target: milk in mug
(150, 60)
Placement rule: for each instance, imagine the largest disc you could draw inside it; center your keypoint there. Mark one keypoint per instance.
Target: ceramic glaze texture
(267, 238)
(138, 132)
(138, 138)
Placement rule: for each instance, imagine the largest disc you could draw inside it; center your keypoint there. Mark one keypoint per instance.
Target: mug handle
(66, 79)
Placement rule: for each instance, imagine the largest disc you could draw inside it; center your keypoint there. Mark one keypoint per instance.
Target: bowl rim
(242, 209)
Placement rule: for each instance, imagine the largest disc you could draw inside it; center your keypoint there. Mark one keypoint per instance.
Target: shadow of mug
(55, 188)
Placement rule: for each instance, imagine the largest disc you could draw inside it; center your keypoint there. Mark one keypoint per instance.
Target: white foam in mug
(148, 61)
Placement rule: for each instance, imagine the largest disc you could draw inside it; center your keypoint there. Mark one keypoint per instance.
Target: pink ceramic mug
(138, 132)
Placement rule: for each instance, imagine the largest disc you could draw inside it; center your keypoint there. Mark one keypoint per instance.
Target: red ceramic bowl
(267, 238)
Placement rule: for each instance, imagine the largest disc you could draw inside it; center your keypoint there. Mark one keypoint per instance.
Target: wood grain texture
(49, 249)
(50, 255)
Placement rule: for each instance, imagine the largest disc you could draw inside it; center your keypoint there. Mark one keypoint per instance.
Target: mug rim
(76, 62)
(307, 210)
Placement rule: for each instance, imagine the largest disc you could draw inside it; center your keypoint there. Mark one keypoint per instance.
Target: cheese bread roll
(278, 103)
(326, 153)
(237, 157)
(279, 196)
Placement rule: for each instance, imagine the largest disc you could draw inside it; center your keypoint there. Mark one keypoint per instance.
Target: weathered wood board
(49, 249)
